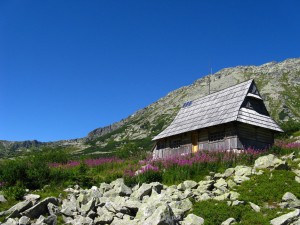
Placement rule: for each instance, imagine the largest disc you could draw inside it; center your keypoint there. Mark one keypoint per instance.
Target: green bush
(15, 192)
(149, 176)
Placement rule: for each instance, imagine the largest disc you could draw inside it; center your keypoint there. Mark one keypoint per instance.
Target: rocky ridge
(154, 203)
(279, 84)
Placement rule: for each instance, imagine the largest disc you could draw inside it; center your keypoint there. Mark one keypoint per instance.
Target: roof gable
(218, 108)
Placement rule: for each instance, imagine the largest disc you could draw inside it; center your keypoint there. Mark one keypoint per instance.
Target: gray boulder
(24, 220)
(144, 190)
(286, 218)
(204, 186)
(40, 208)
(69, 207)
(53, 209)
(290, 201)
(243, 171)
(240, 179)
(270, 161)
(104, 187)
(17, 209)
(106, 218)
(162, 215)
(10, 221)
(2, 199)
(192, 219)
(229, 221)
(190, 184)
(51, 220)
(122, 190)
(157, 186)
(255, 207)
(32, 197)
(88, 207)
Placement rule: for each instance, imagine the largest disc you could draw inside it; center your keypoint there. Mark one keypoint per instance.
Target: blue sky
(68, 67)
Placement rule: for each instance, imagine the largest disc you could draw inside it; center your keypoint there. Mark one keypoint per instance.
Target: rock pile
(148, 204)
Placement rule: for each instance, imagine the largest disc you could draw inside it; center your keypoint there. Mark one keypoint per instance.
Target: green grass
(215, 212)
(269, 187)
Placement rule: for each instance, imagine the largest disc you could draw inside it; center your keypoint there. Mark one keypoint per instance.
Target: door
(195, 142)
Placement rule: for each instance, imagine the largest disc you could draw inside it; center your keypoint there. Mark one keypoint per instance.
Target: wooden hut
(233, 118)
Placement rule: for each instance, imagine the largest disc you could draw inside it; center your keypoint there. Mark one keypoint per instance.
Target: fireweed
(191, 166)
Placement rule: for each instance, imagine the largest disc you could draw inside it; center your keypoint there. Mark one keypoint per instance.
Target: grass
(215, 212)
(269, 187)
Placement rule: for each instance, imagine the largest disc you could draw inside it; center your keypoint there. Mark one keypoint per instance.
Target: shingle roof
(218, 108)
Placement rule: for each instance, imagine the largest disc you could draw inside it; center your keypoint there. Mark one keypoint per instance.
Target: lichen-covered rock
(144, 190)
(40, 208)
(286, 218)
(24, 220)
(243, 171)
(10, 221)
(162, 215)
(106, 218)
(2, 199)
(270, 161)
(190, 184)
(204, 186)
(240, 179)
(229, 221)
(192, 219)
(255, 207)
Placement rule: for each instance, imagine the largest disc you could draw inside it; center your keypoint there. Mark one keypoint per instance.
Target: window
(161, 145)
(175, 144)
(248, 105)
(216, 136)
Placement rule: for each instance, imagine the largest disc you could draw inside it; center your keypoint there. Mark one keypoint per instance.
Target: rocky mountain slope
(279, 84)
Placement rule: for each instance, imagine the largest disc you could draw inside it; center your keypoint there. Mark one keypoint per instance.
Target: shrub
(15, 192)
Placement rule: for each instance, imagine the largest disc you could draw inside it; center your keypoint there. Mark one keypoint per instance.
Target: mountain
(278, 83)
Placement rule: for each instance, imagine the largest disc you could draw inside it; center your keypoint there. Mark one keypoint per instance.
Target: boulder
(10, 221)
(106, 218)
(231, 183)
(158, 187)
(228, 172)
(104, 187)
(69, 207)
(229, 221)
(290, 201)
(181, 187)
(40, 208)
(88, 207)
(32, 197)
(144, 190)
(122, 190)
(234, 195)
(132, 205)
(286, 218)
(297, 179)
(255, 207)
(24, 220)
(53, 209)
(221, 185)
(190, 184)
(240, 179)
(51, 220)
(192, 219)
(243, 171)
(2, 199)
(18, 208)
(222, 197)
(270, 161)
(162, 215)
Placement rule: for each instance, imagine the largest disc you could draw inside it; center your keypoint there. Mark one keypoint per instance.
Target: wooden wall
(223, 137)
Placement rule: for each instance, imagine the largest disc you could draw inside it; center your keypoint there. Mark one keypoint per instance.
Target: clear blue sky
(68, 67)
